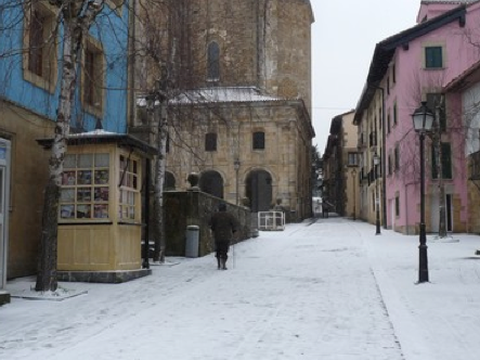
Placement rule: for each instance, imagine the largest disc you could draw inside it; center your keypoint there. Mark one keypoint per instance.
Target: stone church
(243, 123)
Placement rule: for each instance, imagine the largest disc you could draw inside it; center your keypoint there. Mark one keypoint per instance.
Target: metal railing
(271, 220)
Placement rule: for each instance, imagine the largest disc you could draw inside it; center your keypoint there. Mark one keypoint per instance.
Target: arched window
(213, 65)
(169, 181)
(211, 182)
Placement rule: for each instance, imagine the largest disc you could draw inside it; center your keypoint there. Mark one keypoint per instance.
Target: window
(389, 164)
(169, 183)
(378, 168)
(92, 78)
(433, 57)
(40, 59)
(394, 74)
(129, 191)
(395, 114)
(446, 161)
(259, 140)
(389, 125)
(36, 50)
(397, 205)
(352, 159)
(85, 192)
(213, 62)
(396, 156)
(211, 142)
(381, 119)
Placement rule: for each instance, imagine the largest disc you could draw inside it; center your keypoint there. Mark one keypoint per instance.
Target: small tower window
(213, 58)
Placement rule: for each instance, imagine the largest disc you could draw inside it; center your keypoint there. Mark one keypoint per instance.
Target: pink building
(412, 66)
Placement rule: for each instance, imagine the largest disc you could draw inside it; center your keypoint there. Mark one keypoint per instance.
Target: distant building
(340, 161)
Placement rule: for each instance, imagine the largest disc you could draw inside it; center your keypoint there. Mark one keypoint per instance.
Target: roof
(219, 95)
(225, 94)
(466, 79)
(100, 136)
(385, 50)
(448, 1)
(233, 95)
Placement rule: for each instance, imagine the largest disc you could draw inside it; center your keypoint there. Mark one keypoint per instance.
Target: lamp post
(354, 176)
(236, 166)
(422, 122)
(376, 162)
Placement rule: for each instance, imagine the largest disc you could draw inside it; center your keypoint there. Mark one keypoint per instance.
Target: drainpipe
(384, 154)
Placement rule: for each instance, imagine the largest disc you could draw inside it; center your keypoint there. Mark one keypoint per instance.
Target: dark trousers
(221, 249)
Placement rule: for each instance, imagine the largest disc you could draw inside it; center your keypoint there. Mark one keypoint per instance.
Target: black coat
(223, 225)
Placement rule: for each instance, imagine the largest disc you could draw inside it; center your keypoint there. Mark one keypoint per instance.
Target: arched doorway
(211, 182)
(169, 181)
(259, 190)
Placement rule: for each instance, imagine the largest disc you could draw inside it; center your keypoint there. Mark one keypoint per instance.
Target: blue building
(30, 79)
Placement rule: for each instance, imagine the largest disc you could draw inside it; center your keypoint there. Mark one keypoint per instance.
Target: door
(259, 190)
(4, 196)
(435, 213)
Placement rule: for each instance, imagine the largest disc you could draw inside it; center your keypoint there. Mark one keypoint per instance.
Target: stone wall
(193, 207)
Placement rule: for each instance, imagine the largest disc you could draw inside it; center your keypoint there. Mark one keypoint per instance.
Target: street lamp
(376, 162)
(354, 184)
(236, 166)
(422, 122)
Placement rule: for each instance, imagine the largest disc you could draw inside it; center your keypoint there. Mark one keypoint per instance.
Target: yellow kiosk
(100, 210)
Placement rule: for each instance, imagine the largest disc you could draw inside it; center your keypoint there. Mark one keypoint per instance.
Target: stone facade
(249, 65)
(340, 163)
(195, 208)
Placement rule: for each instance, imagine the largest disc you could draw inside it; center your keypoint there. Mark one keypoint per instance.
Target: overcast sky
(344, 36)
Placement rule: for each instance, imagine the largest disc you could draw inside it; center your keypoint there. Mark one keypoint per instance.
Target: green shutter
(446, 161)
(434, 163)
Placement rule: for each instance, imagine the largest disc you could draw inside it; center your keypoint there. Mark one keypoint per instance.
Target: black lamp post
(422, 122)
(376, 162)
(354, 185)
(236, 166)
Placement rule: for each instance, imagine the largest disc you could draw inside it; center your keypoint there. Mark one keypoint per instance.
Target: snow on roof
(218, 95)
(449, 1)
(96, 132)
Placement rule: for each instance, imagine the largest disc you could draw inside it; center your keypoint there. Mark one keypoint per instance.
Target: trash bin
(191, 244)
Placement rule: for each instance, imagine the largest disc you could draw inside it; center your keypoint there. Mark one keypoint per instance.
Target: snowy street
(324, 290)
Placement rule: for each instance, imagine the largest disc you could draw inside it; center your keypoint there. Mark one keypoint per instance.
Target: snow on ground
(329, 290)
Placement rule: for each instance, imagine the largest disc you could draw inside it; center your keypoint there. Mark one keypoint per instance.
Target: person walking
(223, 225)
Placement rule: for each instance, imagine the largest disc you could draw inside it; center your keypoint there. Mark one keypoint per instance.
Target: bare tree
(76, 17)
(435, 100)
(167, 76)
(162, 48)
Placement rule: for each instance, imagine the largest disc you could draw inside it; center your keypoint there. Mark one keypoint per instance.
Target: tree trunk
(160, 164)
(442, 228)
(77, 18)
(47, 264)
